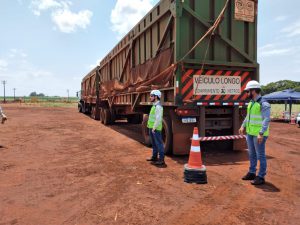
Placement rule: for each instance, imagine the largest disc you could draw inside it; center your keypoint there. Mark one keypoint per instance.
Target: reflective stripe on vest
(152, 118)
(254, 120)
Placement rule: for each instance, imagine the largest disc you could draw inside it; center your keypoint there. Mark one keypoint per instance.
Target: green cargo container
(201, 74)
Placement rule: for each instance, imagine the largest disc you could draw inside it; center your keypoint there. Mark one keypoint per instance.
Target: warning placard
(217, 85)
(244, 10)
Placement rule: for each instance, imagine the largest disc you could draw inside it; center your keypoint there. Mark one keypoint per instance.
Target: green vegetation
(44, 101)
(33, 94)
(52, 104)
(35, 99)
(280, 85)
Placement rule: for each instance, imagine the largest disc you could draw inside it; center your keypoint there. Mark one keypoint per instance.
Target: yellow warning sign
(244, 10)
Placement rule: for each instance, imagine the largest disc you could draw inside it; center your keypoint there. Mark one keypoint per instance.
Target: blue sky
(47, 46)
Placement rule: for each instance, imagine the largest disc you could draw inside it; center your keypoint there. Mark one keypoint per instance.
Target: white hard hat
(253, 84)
(156, 92)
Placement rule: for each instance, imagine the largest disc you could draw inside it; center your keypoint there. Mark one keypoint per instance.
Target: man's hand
(153, 130)
(241, 130)
(259, 139)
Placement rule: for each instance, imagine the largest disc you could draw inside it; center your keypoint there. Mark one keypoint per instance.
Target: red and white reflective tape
(221, 138)
(223, 103)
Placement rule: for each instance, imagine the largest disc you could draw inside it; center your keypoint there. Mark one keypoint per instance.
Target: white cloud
(16, 53)
(292, 30)
(26, 77)
(38, 6)
(69, 22)
(3, 65)
(273, 50)
(127, 13)
(280, 18)
(65, 20)
(16, 67)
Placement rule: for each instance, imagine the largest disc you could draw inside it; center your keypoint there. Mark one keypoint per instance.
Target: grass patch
(277, 109)
(35, 99)
(52, 104)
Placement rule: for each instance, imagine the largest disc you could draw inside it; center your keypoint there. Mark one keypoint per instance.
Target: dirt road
(60, 167)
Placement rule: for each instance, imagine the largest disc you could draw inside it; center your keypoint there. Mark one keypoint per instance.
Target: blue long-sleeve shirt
(265, 114)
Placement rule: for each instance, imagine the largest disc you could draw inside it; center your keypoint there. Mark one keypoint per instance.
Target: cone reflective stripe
(195, 160)
(195, 147)
(196, 134)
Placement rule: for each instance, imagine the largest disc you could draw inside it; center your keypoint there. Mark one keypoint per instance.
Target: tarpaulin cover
(155, 73)
(286, 95)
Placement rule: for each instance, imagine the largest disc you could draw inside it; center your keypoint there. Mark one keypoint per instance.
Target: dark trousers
(157, 144)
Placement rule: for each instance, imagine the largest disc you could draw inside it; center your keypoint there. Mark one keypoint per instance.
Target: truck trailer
(199, 54)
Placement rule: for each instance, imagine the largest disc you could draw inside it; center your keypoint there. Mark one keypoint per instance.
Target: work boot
(258, 181)
(249, 176)
(152, 159)
(159, 163)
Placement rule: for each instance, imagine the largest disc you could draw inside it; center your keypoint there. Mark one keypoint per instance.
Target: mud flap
(182, 134)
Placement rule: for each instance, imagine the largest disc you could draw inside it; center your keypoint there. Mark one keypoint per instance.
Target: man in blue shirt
(257, 129)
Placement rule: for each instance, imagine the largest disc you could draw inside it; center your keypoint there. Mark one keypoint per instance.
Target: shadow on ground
(268, 187)
(212, 155)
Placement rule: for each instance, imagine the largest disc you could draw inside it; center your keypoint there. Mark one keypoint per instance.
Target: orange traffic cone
(195, 159)
(194, 170)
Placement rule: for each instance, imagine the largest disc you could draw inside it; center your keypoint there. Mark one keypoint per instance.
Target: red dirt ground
(58, 166)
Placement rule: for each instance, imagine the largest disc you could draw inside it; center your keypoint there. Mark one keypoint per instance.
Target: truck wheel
(106, 117)
(145, 131)
(79, 107)
(167, 135)
(95, 113)
(86, 109)
(101, 115)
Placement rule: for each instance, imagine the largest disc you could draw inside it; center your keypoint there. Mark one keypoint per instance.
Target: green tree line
(280, 85)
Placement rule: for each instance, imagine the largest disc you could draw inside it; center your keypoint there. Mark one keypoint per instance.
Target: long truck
(199, 54)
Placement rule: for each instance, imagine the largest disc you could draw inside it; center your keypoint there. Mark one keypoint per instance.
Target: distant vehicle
(298, 119)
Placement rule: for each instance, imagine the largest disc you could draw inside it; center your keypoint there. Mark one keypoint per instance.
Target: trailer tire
(101, 115)
(86, 108)
(167, 135)
(95, 113)
(80, 107)
(145, 131)
(106, 117)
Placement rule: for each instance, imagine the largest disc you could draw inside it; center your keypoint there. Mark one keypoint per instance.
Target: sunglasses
(152, 95)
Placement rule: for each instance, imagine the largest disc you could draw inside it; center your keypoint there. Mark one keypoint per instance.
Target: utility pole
(14, 94)
(68, 94)
(4, 83)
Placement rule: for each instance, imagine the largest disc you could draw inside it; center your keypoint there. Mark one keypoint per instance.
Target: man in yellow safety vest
(155, 127)
(257, 128)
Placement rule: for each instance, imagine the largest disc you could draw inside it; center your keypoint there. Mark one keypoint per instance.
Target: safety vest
(254, 119)
(151, 119)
